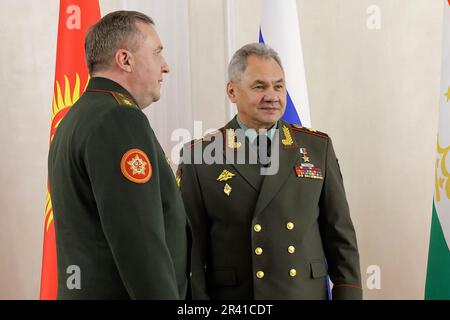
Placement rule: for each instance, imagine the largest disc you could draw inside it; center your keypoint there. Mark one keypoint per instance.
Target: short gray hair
(114, 31)
(238, 62)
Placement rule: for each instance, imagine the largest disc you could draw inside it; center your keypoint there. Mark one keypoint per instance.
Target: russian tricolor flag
(280, 31)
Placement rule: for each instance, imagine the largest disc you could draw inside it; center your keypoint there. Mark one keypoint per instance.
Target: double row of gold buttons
(259, 250)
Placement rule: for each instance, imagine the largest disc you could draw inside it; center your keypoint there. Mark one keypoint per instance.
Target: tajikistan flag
(280, 31)
(438, 273)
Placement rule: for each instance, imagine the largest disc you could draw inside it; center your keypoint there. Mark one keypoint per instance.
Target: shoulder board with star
(120, 98)
(311, 131)
(206, 138)
(123, 100)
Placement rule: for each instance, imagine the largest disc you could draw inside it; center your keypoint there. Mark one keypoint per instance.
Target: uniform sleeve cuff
(347, 292)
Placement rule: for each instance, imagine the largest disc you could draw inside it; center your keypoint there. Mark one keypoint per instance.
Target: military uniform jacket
(274, 236)
(118, 213)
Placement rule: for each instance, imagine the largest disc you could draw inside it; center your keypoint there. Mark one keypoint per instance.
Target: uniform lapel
(250, 172)
(288, 154)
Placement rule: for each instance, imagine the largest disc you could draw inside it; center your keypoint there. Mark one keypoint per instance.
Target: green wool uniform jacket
(274, 236)
(118, 213)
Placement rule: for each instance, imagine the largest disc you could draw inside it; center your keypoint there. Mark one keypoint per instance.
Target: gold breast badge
(287, 141)
(231, 139)
(227, 189)
(225, 175)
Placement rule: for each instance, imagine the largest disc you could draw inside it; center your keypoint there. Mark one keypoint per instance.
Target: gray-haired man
(274, 236)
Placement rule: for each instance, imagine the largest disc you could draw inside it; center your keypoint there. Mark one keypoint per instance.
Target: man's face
(149, 67)
(260, 93)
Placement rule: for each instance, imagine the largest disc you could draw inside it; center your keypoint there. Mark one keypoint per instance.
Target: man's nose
(165, 67)
(272, 96)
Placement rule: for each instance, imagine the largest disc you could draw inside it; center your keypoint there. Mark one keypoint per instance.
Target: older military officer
(118, 213)
(267, 236)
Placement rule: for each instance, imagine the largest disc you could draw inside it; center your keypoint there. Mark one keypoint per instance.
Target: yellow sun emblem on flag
(63, 99)
(442, 173)
(447, 94)
(137, 165)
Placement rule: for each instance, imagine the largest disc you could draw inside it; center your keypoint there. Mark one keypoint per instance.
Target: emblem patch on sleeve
(136, 166)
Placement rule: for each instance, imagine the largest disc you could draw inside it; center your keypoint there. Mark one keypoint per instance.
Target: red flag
(71, 78)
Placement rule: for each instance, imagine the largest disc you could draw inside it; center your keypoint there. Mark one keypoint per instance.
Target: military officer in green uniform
(272, 235)
(119, 217)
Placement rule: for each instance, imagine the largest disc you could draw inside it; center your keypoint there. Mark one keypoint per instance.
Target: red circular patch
(136, 166)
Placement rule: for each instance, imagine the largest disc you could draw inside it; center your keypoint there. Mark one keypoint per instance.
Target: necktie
(263, 144)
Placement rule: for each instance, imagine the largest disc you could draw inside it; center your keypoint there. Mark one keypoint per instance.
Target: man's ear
(124, 60)
(231, 91)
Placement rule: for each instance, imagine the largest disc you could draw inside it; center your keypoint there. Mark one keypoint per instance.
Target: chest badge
(307, 169)
(287, 140)
(227, 189)
(225, 175)
(231, 139)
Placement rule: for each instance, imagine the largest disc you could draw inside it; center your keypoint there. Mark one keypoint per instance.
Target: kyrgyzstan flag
(71, 78)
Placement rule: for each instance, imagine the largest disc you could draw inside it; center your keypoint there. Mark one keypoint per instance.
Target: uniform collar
(100, 83)
(252, 134)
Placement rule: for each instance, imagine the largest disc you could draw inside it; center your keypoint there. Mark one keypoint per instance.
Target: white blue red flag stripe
(280, 31)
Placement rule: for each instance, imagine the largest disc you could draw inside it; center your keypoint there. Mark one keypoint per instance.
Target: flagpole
(229, 20)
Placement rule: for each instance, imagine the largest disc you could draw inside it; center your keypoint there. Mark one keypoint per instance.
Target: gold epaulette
(120, 98)
(124, 100)
(311, 131)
